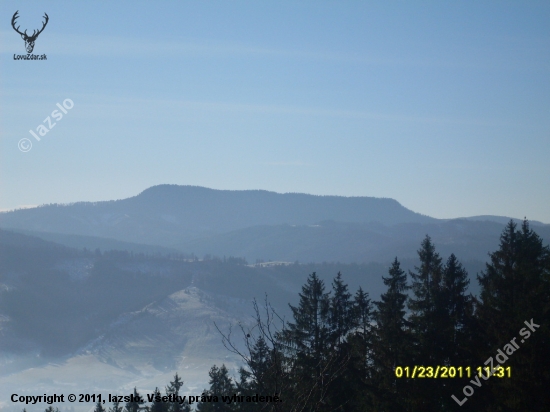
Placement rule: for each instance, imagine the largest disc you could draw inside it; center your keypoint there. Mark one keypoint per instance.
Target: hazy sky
(443, 106)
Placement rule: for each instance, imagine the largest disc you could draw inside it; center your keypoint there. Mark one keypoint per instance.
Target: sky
(441, 105)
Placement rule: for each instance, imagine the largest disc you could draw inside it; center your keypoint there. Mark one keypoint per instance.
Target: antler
(15, 16)
(34, 35)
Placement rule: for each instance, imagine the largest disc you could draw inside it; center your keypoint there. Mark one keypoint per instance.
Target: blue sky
(443, 106)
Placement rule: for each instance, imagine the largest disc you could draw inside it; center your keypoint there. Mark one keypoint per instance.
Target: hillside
(56, 300)
(354, 242)
(98, 319)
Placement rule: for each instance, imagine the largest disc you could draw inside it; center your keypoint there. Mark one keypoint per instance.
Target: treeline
(345, 352)
(340, 352)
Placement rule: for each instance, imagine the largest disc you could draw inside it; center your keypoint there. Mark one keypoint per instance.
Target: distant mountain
(258, 224)
(168, 215)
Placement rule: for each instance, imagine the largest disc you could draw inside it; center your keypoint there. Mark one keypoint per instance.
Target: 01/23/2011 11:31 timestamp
(446, 372)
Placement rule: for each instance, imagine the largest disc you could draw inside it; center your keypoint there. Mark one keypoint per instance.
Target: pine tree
(221, 384)
(157, 406)
(174, 389)
(459, 306)
(457, 329)
(430, 326)
(135, 405)
(357, 376)
(308, 336)
(261, 364)
(515, 288)
(306, 343)
(247, 386)
(340, 311)
(220, 381)
(391, 341)
(99, 407)
(341, 324)
(116, 407)
(363, 317)
(427, 312)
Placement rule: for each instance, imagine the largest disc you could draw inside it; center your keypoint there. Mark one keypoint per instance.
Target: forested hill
(47, 287)
(169, 214)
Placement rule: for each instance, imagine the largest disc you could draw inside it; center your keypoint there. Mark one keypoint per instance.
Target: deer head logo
(29, 40)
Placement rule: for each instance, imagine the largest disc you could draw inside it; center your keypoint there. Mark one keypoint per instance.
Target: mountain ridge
(256, 224)
(166, 215)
